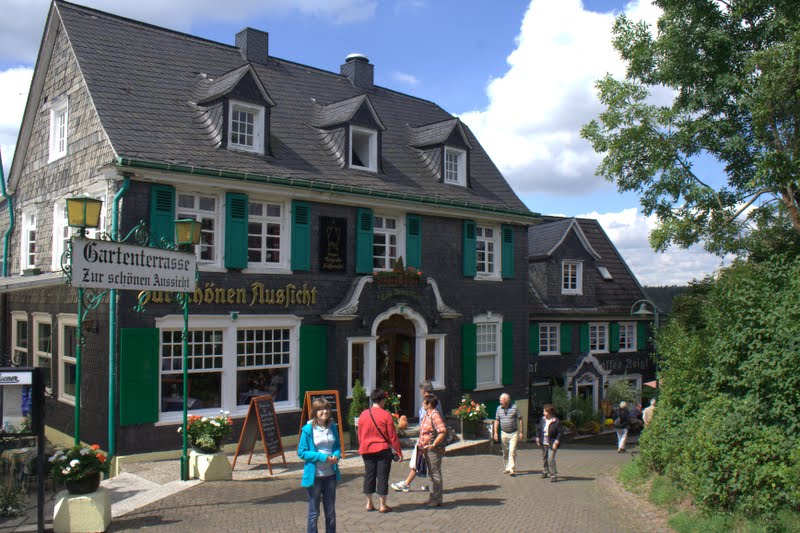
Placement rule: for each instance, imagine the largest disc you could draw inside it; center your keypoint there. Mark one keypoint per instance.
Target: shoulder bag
(395, 456)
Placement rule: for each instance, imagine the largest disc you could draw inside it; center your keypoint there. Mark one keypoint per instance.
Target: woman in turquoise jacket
(320, 448)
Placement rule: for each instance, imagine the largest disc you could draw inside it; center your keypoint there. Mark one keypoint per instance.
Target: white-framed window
(489, 349)
(230, 361)
(359, 350)
(487, 246)
(43, 347)
(386, 241)
(627, 336)
(28, 240)
(549, 338)
(246, 127)
(59, 128)
(598, 337)
(203, 208)
(571, 277)
(62, 231)
(67, 343)
(363, 148)
(19, 338)
(455, 166)
(267, 234)
(434, 360)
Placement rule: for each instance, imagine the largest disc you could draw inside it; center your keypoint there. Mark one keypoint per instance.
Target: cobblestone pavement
(478, 497)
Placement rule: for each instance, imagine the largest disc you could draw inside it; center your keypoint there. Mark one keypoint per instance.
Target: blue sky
(520, 73)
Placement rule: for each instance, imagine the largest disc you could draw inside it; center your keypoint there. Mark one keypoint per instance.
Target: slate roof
(341, 112)
(212, 89)
(142, 80)
(432, 134)
(610, 297)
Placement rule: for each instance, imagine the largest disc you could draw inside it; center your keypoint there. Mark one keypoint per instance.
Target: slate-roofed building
(305, 182)
(584, 330)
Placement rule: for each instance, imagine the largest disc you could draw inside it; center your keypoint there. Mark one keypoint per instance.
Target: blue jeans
(324, 488)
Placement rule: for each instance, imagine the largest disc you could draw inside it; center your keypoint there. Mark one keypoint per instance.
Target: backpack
(621, 420)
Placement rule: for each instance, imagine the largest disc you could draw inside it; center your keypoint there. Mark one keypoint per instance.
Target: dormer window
(571, 277)
(363, 149)
(246, 127)
(455, 166)
(58, 129)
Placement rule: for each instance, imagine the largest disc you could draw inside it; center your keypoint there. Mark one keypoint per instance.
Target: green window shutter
(236, 209)
(533, 339)
(313, 358)
(469, 259)
(138, 376)
(301, 236)
(507, 247)
(469, 356)
(584, 329)
(641, 335)
(566, 338)
(162, 214)
(508, 353)
(613, 336)
(364, 224)
(414, 241)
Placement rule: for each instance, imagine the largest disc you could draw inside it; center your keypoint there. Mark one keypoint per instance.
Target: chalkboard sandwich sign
(333, 399)
(260, 424)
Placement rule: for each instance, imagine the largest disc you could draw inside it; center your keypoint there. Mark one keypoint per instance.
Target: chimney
(253, 45)
(359, 70)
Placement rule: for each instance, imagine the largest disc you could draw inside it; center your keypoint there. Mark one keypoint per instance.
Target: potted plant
(472, 415)
(206, 434)
(357, 406)
(80, 468)
(398, 275)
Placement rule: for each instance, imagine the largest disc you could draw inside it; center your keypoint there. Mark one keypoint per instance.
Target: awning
(651, 384)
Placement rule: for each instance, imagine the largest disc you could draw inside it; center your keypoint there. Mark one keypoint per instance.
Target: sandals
(386, 509)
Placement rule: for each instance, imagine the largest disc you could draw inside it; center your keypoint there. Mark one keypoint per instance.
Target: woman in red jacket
(376, 437)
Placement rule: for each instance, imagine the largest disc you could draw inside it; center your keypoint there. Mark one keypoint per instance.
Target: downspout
(10, 229)
(112, 328)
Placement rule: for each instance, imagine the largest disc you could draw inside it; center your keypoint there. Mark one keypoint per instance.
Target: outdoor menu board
(333, 399)
(260, 424)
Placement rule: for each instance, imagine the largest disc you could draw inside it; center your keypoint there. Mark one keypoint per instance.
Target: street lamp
(82, 212)
(644, 312)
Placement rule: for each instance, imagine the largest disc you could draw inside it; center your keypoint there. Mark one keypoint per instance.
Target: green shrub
(13, 502)
(620, 391)
(664, 492)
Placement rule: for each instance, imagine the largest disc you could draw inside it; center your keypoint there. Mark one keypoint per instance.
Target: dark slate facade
(289, 296)
(586, 336)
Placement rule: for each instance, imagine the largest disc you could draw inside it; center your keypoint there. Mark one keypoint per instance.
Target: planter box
(82, 513)
(209, 466)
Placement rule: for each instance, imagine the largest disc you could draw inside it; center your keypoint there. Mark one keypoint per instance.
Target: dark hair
(550, 409)
(377, 395)
(426, 386)
(316, 405)
(431, 400)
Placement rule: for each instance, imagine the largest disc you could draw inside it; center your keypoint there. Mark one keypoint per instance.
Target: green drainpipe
(7, 235)
(112, 329)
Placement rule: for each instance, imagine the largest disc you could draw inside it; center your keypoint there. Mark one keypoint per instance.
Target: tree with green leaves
(733, 67)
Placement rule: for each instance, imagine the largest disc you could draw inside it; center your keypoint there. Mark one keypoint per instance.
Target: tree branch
(791, 206)
(688, 170)
(750, 202)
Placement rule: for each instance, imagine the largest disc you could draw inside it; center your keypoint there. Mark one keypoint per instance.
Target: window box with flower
(398, 275)
(80, 468)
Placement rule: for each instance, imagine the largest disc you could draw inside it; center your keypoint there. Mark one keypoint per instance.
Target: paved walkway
(478, 497)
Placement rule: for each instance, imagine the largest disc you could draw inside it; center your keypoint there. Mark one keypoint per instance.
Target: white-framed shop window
(27, 250)
(487, 248)
(455, 166)
(268, 237)
(43, 347)
(598, 337)
(363, 148)
(204, 208)
(67, 344)
(360, 355)
(489, 349)
(20, 338)
(230, 362)
(434, 360)
(387, 241)
(246, 127)
(549, 338)
(627, 336)
(571, 277)
(59, 128)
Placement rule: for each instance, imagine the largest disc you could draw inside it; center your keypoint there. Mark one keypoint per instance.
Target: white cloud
(408, 79)
(14, 85)
(531, 125)
(21, 33)
(628, 230)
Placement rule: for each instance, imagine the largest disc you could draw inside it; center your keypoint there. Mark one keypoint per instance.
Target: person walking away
(548, 437)
(507, 421)
(647, 414)
(432, 433)
(321, 450)
(621, 425)
(425, 389)
(376, 439)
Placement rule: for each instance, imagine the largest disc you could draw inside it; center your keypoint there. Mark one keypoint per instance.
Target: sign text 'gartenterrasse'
(257, 294)
(112, 265)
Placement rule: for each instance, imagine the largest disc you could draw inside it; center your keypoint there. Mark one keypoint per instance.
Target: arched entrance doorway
(395, 359)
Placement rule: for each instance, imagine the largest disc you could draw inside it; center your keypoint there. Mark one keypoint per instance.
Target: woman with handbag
(432, 434)
(379, 446)
(319, 447)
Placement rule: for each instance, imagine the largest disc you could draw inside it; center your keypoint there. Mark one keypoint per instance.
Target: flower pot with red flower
(80, 468)
(207, 434)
